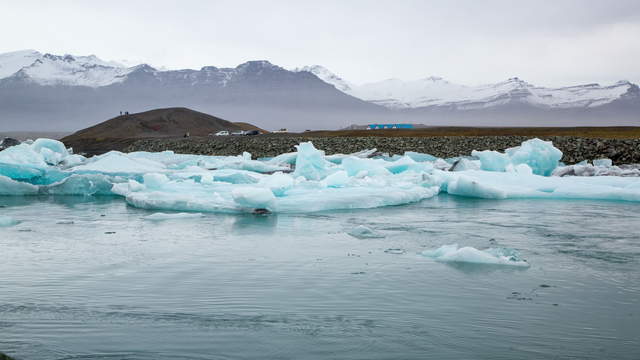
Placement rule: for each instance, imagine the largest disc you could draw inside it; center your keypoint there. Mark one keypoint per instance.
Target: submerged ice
(6, 221)
(307, 180)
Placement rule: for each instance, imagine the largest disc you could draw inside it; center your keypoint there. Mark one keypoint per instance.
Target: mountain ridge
(54, 92)
(436, 91)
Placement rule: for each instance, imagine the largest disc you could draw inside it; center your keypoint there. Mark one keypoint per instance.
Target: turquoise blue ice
(307, 180)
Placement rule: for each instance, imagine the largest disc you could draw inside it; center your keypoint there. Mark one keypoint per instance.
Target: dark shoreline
(575, 149)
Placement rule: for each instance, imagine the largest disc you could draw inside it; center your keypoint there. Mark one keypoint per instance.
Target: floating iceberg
(492, 256)
(307, 180)
(541, 156)
(601, 167)
(310, 162)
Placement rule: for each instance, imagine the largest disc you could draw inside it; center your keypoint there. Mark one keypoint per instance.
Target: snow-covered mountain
(435, 91)
(45, 91)
(66, 92)
(48, 69)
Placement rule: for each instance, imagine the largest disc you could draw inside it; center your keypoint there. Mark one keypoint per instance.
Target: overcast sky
(554, 42)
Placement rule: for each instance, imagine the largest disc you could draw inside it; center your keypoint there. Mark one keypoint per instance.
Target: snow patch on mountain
(12, 62)
(398, 94)
(327, 76)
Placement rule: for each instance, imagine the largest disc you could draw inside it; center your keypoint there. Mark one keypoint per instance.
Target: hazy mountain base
(297, 102)
(268, 97)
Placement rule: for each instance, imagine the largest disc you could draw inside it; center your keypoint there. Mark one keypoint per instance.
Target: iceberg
(599, 168)
(307, 180)
(603, 162)
(541, 156)
(492, 256)
(310, 162)
(254, 198)
(9, 186)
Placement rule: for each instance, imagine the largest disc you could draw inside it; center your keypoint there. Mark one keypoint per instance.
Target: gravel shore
(575, 149)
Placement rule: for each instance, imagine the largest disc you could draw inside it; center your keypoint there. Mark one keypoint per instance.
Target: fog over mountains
(50, 92)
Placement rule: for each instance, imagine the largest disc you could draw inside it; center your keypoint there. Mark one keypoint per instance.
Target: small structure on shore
(389, 126)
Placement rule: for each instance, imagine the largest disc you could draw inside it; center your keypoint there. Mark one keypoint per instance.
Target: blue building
(389, 126)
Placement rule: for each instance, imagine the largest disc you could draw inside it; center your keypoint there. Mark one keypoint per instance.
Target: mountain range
(52, 92)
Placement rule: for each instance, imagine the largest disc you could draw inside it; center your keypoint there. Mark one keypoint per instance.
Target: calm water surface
(90, 278)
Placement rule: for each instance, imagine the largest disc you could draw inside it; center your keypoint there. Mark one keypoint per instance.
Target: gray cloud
(544, 42)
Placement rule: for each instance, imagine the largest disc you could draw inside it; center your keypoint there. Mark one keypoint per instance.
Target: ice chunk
(278, 183)
(364, 154)
(405, 163)
(466, 186)
(364, 232)
(254, 198)
(603, 162)
(495, 185)
(73, 160)
(364, 167)
(53, 145)
(6, 221)
(154, 180)
(20, 172)
(83, 184)
(541, 156)
(22, 154)
(9, 186)
(419, 157)
(310, 162)
(463, 164)
(53, 151)
(115, 162)
(492, 160)
(360, 194)
(467, 254)
(337, 179)
(286, 158)
(172, 216)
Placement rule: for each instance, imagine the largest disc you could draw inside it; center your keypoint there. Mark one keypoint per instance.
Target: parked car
(238, 132)
(252, 132)
(222, 133)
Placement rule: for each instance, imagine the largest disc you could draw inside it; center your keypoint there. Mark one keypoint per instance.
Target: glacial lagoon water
(90, 277)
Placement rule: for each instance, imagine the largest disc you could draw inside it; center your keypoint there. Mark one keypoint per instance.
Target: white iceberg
(492, 256)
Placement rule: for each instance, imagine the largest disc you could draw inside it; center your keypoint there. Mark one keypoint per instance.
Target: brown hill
(169, 122)
(122, 130)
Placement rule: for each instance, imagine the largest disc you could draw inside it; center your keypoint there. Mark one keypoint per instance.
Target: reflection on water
(91, 278)
(255, 224)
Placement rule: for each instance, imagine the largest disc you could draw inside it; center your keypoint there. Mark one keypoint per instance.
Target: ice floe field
(497, 255)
